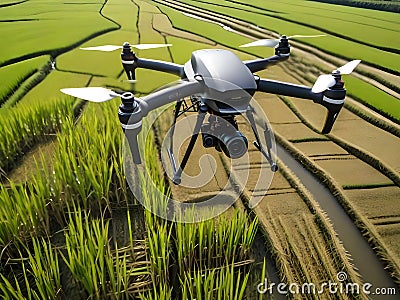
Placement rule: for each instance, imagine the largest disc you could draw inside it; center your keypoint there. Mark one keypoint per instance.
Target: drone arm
(159, 65)
(170, 94)
(288, 89)
(332, 99)
(260, 64)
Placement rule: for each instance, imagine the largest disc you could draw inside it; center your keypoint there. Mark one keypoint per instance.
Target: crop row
(364, 92)
(298, 257)
(360, 221)
(14, 75)
(391, 6)
(54, 26)
(339, 20)
(25, 126)
(86, 181)
(363, 155)
(370, 96)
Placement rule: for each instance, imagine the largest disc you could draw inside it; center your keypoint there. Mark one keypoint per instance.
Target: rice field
(348, 28)
(70, 203)
(78, 231)
(371, 96)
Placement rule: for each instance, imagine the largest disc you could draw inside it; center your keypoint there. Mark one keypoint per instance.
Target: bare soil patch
(295, 131)
(275, 109)
(390, 234)
(284, 205)
(376, 203)
(374, 140)
(352, 172)
(356, 131)
(317, 148)
(316, 114)
(30, 163)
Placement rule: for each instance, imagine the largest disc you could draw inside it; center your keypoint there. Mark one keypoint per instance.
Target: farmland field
(70, 226)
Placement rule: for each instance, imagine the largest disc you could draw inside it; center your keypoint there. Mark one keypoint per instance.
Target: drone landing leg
(257, 143)
(177, 175)
(171, 136)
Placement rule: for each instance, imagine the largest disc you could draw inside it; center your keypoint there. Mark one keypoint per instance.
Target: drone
(218, 85)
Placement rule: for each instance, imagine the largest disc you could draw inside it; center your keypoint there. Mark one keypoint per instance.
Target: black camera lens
(234, 145)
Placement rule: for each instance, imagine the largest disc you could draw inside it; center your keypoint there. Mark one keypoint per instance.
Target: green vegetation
(78, 194)
(64, 223)
(360, 90)
(373, 97)
(25, 126)
(14, 75)
(40, 276)
(351, 34)
(52, 26)
(386, 5)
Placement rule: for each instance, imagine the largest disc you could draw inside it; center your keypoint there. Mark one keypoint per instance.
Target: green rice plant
(53, 27)
(128, 271)
(40, 274)
(159, 292)
(14, 75)
(223, 283)
(11, 291)
(158, 240)
(25, 126)
(159, 246)
(13, 87)
(86, 242)
(23, 212)
(263, 276)
(215, 243)
(88, 158)
(32, 81)
(99, 270)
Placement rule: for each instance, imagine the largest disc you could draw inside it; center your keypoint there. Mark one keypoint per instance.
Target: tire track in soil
(298, 169)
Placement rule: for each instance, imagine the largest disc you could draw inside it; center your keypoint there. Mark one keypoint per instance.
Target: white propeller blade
(323, 83)
(109, 48)
(150, 46)
(349, 67)
(105, 48)
(263, 43)
(93, 94)
(275, 42)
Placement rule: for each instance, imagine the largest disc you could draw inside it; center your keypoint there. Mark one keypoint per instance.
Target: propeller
(326, 81)
(275, 42)
(109, 48)
(333, 92)
(93, 94)
(129, 111)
